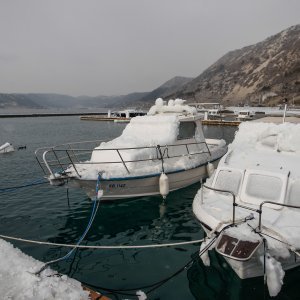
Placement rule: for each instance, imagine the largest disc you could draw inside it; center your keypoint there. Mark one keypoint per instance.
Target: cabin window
(229, 180)
(259, 186)
(264, 187)
(186, 130)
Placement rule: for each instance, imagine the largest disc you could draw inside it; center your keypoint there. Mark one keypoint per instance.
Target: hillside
(57, 101)
(64, 102)
(171, 86)
(263, 73)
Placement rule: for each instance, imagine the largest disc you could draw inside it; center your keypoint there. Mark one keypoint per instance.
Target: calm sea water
(42, 213)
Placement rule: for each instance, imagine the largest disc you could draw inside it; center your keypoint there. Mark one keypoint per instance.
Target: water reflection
(219, 282)
(146, 220)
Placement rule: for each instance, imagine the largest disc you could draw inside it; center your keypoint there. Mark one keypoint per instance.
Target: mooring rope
(157, 284)
(100, 247)
(13, 188)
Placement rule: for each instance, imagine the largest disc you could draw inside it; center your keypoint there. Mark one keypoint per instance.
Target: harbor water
(60, 215)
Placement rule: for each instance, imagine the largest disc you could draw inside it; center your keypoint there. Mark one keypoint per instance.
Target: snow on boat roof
(285, 137)
(173, 106)
(158, 127)
(19, 282)
(146, 131)
(265, 146)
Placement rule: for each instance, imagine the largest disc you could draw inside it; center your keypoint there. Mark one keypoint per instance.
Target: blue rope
(92, 217)
(98, 184)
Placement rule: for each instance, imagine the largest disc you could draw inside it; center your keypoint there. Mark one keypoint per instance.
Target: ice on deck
(19, 282)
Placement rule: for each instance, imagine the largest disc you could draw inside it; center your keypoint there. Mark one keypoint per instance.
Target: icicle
(274, 274)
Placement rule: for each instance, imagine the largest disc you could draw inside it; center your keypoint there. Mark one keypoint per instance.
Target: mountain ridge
(248, 75)
(264, 73)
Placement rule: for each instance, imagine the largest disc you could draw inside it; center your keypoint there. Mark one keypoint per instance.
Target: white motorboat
(245, 115)
(128, 113)
(124, 116)
(249, 208)
(6, 148)
(157, 153)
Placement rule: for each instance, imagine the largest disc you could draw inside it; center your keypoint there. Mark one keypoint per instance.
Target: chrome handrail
(225, 191)
(72, 154)
(259, 211)
(274, 203)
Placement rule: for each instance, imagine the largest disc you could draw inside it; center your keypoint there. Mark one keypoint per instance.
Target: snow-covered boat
(249, 208)
(157, 153)
(6, 148)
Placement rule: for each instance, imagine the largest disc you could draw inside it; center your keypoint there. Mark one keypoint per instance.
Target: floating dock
(104, 118)
(220, 122)
(30, 115)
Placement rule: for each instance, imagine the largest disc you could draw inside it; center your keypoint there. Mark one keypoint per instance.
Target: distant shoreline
(33, 115)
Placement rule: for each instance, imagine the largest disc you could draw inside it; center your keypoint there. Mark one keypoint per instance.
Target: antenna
(284, 112)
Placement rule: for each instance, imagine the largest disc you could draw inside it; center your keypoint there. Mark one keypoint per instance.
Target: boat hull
(254, 267)
(132, 187)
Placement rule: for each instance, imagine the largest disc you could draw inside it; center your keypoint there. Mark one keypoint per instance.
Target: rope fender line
(100, 247)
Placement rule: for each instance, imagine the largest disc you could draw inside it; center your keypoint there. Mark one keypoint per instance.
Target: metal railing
(57, 159)
(259, 211)
(274, 203)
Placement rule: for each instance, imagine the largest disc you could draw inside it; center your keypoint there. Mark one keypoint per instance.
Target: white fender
(164, 185)
(210, 169)
(99, 194)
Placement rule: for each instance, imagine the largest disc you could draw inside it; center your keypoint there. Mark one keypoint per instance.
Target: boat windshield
(186, 130)
(265, 187)
(228, 180)
(259, 186)
(244, 113)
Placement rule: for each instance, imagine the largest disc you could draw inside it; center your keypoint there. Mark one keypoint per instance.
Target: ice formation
(275, 275)
(174, 106)
(19, 282)
(147, 131)
(6, 147)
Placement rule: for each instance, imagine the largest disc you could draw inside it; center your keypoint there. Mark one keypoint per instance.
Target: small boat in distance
(6, 148)
(245, 115)
(250, 207)
(162, 151)
(121, 116)
(128, 113)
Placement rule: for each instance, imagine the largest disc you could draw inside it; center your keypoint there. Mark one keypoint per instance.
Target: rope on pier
(100, 247)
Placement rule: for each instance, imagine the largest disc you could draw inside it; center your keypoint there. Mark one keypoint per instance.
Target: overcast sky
(109, 47)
